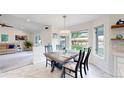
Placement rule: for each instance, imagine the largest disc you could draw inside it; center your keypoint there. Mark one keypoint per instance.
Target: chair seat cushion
(70, 65)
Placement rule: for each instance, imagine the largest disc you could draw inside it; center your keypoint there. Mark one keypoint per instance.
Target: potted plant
(119, 36)
(28, 45)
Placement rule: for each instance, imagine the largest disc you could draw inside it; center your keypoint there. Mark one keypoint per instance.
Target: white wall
(11, 32)
(46, 36)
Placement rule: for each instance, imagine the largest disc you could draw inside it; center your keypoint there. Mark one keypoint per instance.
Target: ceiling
(34, 22)
(20, 23)
(57, 19)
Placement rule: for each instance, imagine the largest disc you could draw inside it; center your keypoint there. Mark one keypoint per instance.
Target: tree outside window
(79, 40)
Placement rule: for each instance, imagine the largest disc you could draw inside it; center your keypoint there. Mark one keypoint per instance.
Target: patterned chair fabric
(70, 65)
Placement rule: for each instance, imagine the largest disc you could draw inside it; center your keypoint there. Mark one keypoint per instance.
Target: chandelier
(64, 32)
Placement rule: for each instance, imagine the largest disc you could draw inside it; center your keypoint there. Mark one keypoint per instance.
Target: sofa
(7, 48)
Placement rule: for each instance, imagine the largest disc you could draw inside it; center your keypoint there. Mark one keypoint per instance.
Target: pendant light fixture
(64, 32)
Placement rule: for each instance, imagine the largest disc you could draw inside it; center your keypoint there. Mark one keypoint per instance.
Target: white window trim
(95, 42)
(83, 30)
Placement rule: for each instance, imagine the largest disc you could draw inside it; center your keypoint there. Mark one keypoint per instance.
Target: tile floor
(40, 71)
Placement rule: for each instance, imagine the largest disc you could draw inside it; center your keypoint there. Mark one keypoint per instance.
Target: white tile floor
(40, 71)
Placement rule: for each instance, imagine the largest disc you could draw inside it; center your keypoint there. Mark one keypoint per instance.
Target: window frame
(37, 37)
(96, 40)
(84, 30)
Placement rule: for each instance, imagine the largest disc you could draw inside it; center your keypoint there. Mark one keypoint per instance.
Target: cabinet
(118, 64)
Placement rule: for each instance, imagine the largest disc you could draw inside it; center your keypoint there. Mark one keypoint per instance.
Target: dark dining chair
(73, 66)
(77, 57)
(86, 61)
(48, 48)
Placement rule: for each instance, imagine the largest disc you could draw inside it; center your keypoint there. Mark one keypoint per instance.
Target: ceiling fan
(4, 25)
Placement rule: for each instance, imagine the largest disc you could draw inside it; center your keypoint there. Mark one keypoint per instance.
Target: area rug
(13, 61)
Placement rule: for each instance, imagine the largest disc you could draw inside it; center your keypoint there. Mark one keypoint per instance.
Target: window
(37, 40)
(62, 42)
(79, 40)
(100, 41)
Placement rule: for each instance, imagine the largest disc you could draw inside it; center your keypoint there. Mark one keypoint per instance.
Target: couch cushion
(11, 46)
(3, 46)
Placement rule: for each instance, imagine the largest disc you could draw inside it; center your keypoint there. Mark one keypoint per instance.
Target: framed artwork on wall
(4, 37)
(18, 37)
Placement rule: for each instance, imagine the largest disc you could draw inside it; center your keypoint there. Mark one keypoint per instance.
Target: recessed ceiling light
(28, 20)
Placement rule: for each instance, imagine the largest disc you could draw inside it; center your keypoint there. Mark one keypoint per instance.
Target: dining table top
(61, 57)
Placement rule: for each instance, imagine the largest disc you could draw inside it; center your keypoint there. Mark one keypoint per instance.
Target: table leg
(53, 65)
(62, 74)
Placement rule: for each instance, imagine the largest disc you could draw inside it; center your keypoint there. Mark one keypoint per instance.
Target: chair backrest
(81, 56)
(48, 48)
(87, 56)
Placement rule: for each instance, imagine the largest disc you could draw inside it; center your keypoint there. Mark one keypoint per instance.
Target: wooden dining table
(60, 57)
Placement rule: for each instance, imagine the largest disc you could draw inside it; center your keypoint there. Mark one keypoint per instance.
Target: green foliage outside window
(75, 34)
(79, 45)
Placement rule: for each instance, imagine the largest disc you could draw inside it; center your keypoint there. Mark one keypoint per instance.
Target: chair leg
(64, 72)
(51, 63)
(81, 72)
(53, 66)
(46, 62)
(85, 69)
(76, 74)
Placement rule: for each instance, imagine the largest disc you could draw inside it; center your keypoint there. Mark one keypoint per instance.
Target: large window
(100, 41)
(79, 40)
(37, 40)
(62, 42)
